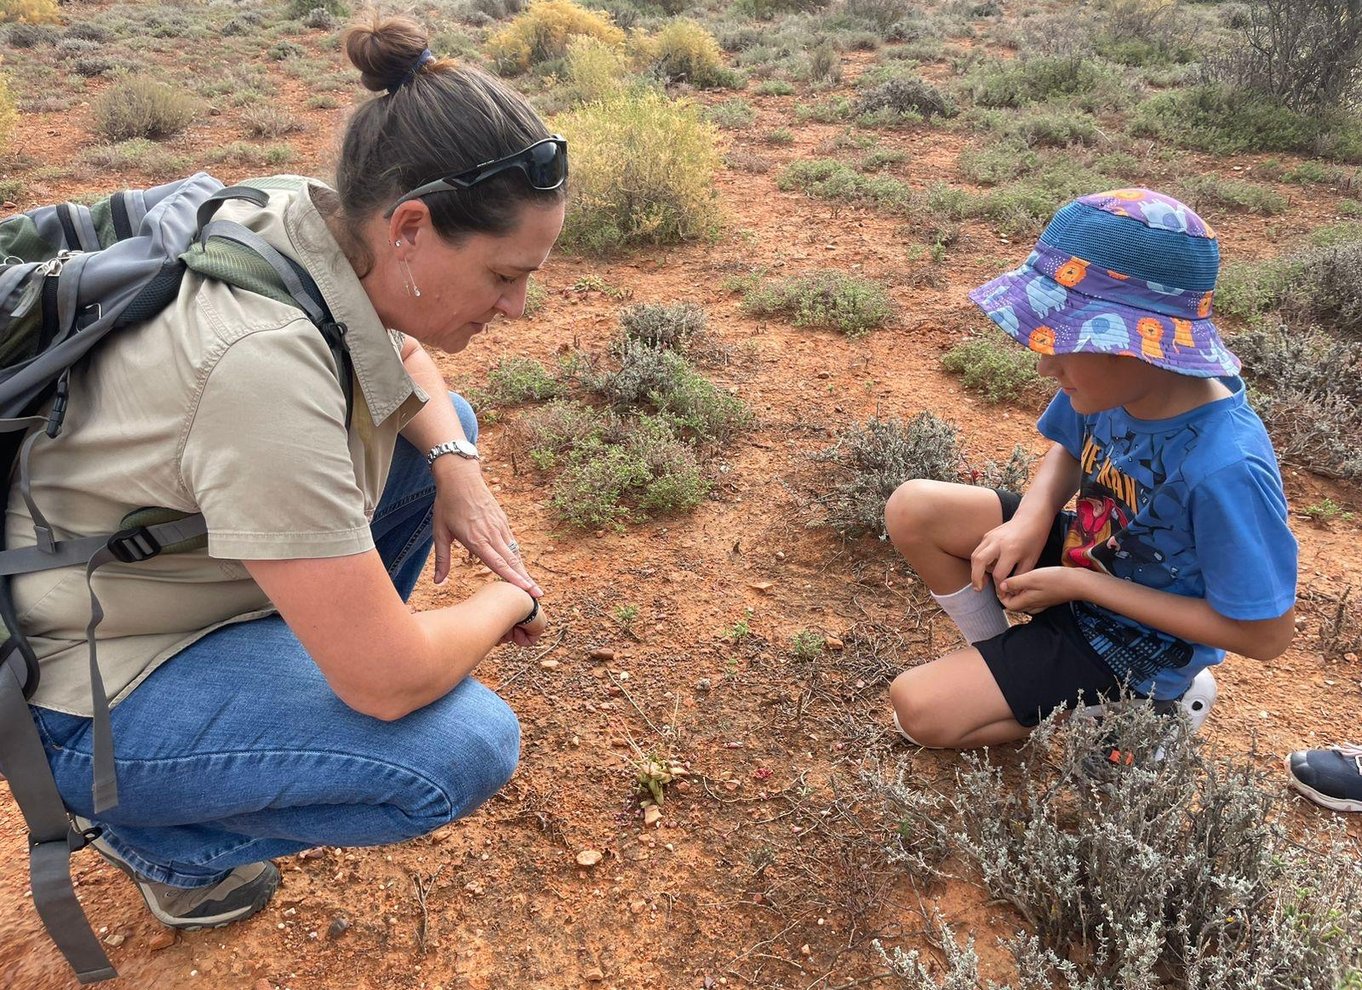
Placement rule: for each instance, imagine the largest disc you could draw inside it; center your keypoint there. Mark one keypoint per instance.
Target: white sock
(978, 614)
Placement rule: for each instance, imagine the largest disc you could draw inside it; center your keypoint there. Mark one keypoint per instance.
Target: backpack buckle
(79, 840)
(133, 545)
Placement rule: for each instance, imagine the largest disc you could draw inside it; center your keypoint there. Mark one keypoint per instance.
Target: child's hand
(1012, 548)
(1039, 589)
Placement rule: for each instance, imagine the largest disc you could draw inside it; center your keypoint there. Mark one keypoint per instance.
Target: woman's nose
(512, 302)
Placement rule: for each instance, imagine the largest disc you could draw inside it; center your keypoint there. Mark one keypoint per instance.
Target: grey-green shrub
(1174, 871)
(997, 369)
(672, 327)
(663, 380)
(905, 97)
(142, 108)
(871, 460)
(825, 299)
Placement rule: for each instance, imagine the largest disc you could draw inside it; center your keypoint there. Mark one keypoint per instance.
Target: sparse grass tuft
(1086, 83)
(517, 380)
(732, 115)
(1205, 192)
(826, 299)
(996, 368)
(142, 108)
(266, 121)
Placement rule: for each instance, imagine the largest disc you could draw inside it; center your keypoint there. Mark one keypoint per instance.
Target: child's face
(1094, 382)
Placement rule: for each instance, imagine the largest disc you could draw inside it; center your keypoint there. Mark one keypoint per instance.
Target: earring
(409, 281)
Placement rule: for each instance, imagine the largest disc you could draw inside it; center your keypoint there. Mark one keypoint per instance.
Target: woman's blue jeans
(236, 750)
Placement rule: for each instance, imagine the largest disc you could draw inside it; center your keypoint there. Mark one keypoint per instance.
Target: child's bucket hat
(1128, 272)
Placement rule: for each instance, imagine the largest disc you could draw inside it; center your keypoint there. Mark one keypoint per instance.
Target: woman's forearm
(437, 422)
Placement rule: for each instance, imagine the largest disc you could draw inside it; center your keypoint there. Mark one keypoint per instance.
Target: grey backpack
(70, 276)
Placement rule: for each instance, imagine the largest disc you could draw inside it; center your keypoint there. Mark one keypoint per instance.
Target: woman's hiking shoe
(1331, 777)
(235, 897)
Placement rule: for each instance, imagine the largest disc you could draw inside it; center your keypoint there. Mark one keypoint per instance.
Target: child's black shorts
(1046, 663)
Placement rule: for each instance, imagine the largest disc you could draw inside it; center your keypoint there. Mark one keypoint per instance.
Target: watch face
(465, 448)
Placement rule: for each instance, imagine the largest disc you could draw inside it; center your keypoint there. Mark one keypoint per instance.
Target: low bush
(1227, 121)
(1182, 871)
(29, 12)
(1206, 192)
(765, 10)
(543, 30)
(774, 87)
(664, 381)
(685, 52)
(905, 97)
(823, 64)
(829, 111)
(648, 471)
(996, 368)
(643, 173)
(873, 459)
(670, 327)
(26, 35)
(301, 8)
(826, 178)
(596, 70)
(1084, 82)
(1320, 283)
(826, 299)
(267, 121)
(1307, 386)
(1052, 130)
(514, 381)
(142, 108)
(732, 115)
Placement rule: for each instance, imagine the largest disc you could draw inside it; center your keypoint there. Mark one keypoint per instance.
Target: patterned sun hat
(1129, 272)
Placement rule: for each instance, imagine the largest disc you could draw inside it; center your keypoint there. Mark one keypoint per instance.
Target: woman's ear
(408, 225)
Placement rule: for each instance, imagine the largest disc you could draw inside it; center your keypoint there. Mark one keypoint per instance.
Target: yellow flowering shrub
(8, 115)
(543, 30)
(596, 70)
(642, 173)
(684, 51)
(30, 11)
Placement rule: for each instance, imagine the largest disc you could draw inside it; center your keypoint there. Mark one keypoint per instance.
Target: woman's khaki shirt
(228, 403)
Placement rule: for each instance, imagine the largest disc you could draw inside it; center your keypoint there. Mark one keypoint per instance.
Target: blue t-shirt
(1191, 505)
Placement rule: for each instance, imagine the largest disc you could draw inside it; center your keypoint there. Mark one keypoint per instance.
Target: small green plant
(774, 87)
(661, 379)
(1088, 83)
(826, 299)
(1325, 511)
(142, 108)
(807, 645)
(282, 51)
(995, 368)
(1204, 192)
(654, 773)
(781, 135)
(741, 629)
(625, 616)
(824, 64)
(301, 8)
(826, 178)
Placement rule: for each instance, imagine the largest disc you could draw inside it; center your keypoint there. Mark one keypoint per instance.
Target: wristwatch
(460, 448)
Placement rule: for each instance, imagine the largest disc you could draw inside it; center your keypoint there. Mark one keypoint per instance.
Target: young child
(1178, 548)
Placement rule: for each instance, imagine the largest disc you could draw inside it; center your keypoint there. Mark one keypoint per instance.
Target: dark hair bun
(384, 49)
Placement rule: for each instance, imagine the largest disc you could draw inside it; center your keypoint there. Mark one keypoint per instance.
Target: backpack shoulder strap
(51, 837)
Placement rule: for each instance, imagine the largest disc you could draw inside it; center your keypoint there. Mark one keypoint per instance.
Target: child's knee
(916, 716)
(907, 514)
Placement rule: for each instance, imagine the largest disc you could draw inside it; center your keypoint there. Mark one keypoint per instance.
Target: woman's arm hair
(379, 657)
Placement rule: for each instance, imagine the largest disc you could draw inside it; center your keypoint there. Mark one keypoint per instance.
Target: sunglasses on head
(544, 165)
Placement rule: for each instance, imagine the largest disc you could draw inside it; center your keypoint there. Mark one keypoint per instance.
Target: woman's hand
(1012, 548)
(1039, 589)
(466, 511)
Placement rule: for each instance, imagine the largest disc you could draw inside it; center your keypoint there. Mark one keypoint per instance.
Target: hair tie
(421, 60)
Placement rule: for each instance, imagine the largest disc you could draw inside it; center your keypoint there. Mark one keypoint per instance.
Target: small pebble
(116, 940)
(601, 653)
(549, 664)
(339, 926)
(161, 940)
(702, 684)
(589, 857)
